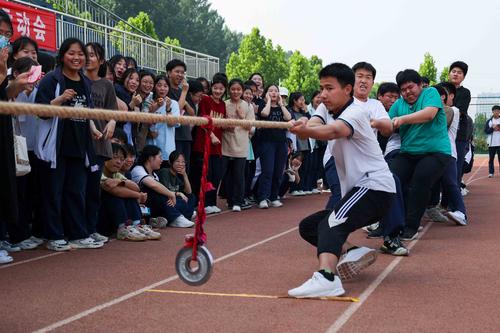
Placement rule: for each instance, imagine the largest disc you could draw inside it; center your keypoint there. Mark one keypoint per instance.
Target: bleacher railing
(90, 22)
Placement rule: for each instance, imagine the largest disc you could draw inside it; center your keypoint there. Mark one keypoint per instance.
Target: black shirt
(462, 101)
(174, 183)
(272, 134)
(76, 131)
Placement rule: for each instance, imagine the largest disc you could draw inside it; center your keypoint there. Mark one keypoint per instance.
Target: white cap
(283, 91)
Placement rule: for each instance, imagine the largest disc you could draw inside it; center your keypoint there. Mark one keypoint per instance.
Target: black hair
(202, 80)
(23, 65)
(100, 55)
(218, 78)
(251, 83)
(236, 81)
(175, 63)
(116, 147)
(460, 64)
(314, 94)
(129, 149)
(147, 152)
(269, 86)
(116, 59)
(298, 155)
(247, 87)
(128, 72)
(426, 80)
(408, 75)
(442, 92)
(120, 134)
(47, 61)
(293, 98)
(145, 73)
(65, 46)
(388, 87)
(130, 60)
(195, 86)
(5, 18)
(341, 72)
(450, 87)
(174, 156)
(366, 66)
(495, 107)
(158, 79)
(20, 44)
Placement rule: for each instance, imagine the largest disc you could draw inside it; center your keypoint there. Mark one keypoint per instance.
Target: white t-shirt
(452, 131)
(358, 158)
(139, 174)
(393, 143)
(494, 138)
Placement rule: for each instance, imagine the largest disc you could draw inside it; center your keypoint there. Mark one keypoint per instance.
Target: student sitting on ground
(291, 175)
(120, 200)
(175, 178)
(165, 208)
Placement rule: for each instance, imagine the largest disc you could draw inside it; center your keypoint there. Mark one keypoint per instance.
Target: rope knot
(209, 127)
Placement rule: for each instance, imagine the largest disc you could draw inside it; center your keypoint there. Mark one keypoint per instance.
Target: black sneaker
(246, 205)
(377, 233)
(409, 235)
(394, 247)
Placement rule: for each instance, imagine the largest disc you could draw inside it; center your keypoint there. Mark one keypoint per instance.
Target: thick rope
(49, 111)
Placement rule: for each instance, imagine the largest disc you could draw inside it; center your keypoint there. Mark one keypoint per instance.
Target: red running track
(449, 283)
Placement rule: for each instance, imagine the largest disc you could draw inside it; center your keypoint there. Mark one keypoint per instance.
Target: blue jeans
(452, 188)
(272, 160)
(394, 221)
(333, 181)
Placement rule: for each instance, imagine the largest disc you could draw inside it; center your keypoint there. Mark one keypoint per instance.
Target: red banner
(37, 24)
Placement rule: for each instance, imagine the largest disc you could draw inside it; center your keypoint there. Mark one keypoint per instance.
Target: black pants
(492, 151)
(116, 211)
(234, 179)
(214, 175)
(358, 208)
(93, 196)
(305, 173)
(418, 174)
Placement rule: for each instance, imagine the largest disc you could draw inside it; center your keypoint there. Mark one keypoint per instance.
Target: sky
(391, 35)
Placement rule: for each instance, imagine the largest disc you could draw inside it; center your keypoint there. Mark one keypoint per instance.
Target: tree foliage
(142, 22)
(303, 75)
(443, 77)
(428, 68)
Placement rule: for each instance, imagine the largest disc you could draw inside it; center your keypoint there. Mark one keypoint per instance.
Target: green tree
(141, 21)
(373, 93)
(257, 54)
(303, 75)
(428, 68)
(443, 77)
(479, 135)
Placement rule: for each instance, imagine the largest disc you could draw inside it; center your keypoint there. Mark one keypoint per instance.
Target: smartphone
(145, 211)
(4, 42)
(35, 74)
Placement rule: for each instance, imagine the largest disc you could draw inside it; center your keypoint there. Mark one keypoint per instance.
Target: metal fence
(98, 25)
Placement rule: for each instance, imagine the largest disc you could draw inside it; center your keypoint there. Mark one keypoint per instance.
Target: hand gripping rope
(194, 263)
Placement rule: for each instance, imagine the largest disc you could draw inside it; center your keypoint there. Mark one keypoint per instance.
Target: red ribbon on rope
(200, 237)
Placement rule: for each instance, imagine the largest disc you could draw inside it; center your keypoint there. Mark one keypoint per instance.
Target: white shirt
(452, 131)
(139, 174)
(358, 158)
(494, 138)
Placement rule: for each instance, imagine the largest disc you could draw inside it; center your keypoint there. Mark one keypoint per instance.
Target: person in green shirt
(425, 146)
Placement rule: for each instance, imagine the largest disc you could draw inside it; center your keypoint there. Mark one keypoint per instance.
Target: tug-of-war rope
(194, 263)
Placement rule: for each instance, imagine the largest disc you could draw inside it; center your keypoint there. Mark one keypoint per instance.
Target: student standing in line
(492, 129)
(66, 147)
(126, 91)
(104, 97)
(367, 188)
(273, 149)
(119, 65)
(145, 90)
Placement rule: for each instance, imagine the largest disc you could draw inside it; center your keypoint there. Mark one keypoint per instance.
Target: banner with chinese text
(37, 24)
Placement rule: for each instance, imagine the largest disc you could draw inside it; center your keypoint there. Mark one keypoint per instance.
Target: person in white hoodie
(492, 129)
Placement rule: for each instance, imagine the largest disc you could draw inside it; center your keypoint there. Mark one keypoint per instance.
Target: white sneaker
(58, 245)
(147, 231)
(85, 243)
(5, 245)
(371, 227)
(5, 258)
(308, 192)
(354, 261)
(315, 191)
(296, 193)
(130, 233)
(36, 240)
(318, 286)
(158, 222)
(464, 192)
(216, 209)
(276, 203)
(490, 175)
(181, 222)
(458, 217)
(99, 238)
(193, 217)
(27, 244)
(236, 208)
(209, 210)
(263, 204)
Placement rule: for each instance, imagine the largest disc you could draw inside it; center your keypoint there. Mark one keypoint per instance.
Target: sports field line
(351, 310)
(206, 293)
(125, 297)
(475, 172)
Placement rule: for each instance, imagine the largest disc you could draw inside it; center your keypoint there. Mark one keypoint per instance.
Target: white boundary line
(351, 310)
(151, 286)
(475, 172)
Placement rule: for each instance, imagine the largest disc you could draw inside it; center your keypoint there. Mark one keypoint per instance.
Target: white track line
(477, 170)
(351, 310)
(30, 260)
(151, 286)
